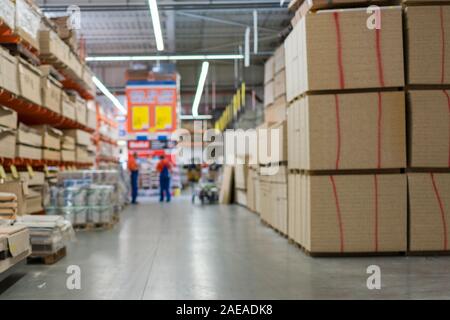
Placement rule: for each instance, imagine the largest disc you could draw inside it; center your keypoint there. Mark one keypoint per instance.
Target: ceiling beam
(173, 6)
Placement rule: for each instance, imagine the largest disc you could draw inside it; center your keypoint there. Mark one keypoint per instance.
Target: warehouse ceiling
(120, 27)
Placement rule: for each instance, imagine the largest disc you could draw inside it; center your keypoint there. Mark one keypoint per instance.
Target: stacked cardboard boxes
(68, 147)
(8, 72)
(8, 127)
(344, 128)
(51, 142)
(276, 111)
(269, 83)
(29, 143)
(428, 110)
(83, 142)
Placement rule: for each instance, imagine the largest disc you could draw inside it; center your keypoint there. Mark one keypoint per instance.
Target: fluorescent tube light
(110, 96)
(156, 24)
(201, 85)
(199, 117)
(166, 58)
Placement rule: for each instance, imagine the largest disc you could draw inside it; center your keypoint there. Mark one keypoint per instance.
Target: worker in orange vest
(164, 167)
(134, 169)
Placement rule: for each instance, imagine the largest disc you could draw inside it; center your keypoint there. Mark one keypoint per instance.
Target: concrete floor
(181, 251)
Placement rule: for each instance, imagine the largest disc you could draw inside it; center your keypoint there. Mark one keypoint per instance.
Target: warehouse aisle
(180, 251)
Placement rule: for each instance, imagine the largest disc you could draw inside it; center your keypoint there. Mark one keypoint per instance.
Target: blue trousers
(134, 185)
(164, 188)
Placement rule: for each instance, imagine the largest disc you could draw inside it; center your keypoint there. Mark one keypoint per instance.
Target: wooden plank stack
(427, 48)
(346, 129)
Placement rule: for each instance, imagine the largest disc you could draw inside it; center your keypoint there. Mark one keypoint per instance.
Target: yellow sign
(14, 172)
(243, 88)
(30, 171)
(163, 116)
(141, 118)
(46, 171)
(2, 172)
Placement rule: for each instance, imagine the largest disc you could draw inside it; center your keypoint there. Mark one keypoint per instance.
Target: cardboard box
(277, 111)
(8, 143)
(316, 61)
(269, 93)
(280, 84)
(75, 66)
(30, 82)
(20, 189)
(28, 21)
(29, 136)
(51, 94)
(429, 211)
(67, 107)
(7, 13)
(350, 131)
(49, 154)
(34, 200)
(38, 178)
(82, 154)
(9, 79)
(312, 5)
(295, 138)
(349, 213)
(51, 137)
(87, 79)
(429, 142)
(81, 137)
(28, 152)
(8, 118)
(91, 115)
(279, 63)
(51, 45)
(68, 143)
(81, 111)
(425, 38)
(68, 155)
(269, 70)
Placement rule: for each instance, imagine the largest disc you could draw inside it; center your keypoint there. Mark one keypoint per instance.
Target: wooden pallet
(345, 254)
(47, 259)
(94, 226)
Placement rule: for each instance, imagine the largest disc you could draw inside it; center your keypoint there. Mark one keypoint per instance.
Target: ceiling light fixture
(199, 117)
(165, 58)
(108, 94)
(156, 24)
(201, 85)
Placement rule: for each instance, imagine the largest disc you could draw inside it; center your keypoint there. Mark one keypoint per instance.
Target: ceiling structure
(124, 27)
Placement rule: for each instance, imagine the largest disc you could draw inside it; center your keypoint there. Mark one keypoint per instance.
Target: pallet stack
(346, 129)
(240, 184)
(427, 48)
(275, 87)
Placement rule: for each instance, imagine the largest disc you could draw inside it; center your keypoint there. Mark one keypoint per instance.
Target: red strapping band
(339, 50)
(448, 102)
(338, 212)
(441, 14)
(379, 126)
(338, 131)
(375, 180)
(441, 207)
(379, 57)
